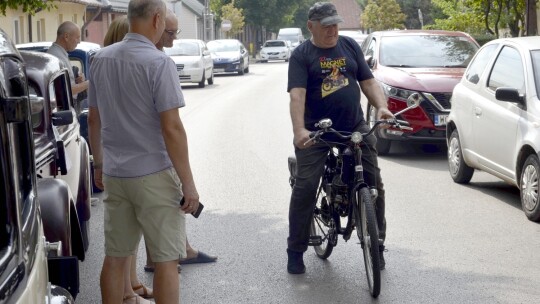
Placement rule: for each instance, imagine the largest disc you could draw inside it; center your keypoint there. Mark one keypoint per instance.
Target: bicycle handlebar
(399, 124)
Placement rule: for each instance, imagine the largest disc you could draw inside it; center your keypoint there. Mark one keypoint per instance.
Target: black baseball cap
(325, 13)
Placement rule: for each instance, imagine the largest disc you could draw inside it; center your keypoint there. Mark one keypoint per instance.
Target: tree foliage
(411, 10)
(382, 15)
(27, 6)
(270, 14)
(235, 15)
(482, 16)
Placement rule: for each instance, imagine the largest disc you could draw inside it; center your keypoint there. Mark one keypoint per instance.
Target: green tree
(482, 16)
(28, 6)
(382, 15)
(411, 7)
(235, 15)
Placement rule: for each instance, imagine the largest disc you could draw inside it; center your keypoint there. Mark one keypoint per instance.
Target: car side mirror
(510, 95)
(62, 118)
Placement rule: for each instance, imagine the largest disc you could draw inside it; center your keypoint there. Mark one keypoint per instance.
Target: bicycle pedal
(315, 240)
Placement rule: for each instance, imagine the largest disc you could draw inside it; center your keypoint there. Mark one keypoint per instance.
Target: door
(495, 122)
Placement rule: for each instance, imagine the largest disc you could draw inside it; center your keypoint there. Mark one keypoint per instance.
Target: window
(40, 29)
(508, 60)
(59, 93)
(474, 72)
(16, 32)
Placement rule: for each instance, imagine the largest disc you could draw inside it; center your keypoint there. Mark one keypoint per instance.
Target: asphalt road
(447, 243)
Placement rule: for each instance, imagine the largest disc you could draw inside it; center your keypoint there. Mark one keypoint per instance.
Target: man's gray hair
(66, 27)
(144, 9)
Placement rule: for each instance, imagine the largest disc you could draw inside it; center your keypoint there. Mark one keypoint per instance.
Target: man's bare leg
(112, 279)
(166, 282)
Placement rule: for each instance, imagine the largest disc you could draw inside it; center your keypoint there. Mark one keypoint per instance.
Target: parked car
(25, 271)
(80, 59)
(193, 61)
(292, 34)
(62, 156)
(275, 50)
(493, 124)
(229, 55)
(358, 36)
(426, 63)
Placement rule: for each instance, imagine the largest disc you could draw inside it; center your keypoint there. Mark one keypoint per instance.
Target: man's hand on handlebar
(302, 139)
(384, 113)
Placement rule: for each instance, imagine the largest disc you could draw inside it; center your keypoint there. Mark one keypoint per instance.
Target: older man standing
(68, 37)
(193, 256)
(140, 144)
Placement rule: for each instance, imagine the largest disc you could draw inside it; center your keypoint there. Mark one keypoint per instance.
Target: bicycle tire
(321, 225)
(368, 233)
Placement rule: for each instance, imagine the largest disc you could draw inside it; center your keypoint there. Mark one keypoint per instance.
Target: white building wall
(47, 20)
(187, 22)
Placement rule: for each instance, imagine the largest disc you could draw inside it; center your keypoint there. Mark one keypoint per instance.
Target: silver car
(193, 61)
(494, 123)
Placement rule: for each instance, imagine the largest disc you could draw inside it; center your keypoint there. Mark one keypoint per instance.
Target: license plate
(440, 120)
(274, 57)
(219, 70)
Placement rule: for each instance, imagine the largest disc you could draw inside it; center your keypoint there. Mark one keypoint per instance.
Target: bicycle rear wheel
(322, 229)
(368, 233)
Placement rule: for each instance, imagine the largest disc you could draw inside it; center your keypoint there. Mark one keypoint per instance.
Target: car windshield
(535, 56)
(274, 43)
(183, 49)
(426, 51)
(222, 46)
(291, 38)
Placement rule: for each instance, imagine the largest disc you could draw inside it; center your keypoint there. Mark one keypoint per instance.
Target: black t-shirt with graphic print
(330, 77)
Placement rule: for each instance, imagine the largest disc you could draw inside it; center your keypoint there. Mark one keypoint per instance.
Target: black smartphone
(197, 212)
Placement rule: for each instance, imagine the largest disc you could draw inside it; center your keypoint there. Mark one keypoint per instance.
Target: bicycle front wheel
(368, 233)
(322, 230)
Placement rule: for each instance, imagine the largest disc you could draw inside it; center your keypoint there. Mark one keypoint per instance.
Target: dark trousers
(309, 170)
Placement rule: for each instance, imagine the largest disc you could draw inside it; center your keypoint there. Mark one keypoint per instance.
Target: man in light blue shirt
(140, 153)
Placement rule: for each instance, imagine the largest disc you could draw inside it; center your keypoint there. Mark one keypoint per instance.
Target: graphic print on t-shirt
(335, 79)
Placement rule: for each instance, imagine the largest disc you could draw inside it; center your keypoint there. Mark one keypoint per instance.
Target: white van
(293, 34)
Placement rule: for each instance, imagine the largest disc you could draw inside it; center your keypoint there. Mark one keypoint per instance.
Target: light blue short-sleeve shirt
(131, 82)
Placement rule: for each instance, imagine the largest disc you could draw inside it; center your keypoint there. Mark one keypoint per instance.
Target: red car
(429, 63)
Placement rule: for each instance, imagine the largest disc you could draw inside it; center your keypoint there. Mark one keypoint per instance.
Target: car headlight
(397, 93)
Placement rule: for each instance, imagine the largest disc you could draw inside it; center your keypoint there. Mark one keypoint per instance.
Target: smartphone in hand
(197, 212)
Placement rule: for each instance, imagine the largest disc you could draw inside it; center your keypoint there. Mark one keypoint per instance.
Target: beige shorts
(147, 205)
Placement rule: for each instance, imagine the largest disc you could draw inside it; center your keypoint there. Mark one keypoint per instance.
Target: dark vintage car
(62, 155)
(80, 59)
(26, 273)
(425, 63)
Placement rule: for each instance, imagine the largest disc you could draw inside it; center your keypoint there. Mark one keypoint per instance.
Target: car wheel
(201, 84)
(383, 145)
(461, 173)
(241, 70)
(529, 188)
(246, 70)
(211, 80)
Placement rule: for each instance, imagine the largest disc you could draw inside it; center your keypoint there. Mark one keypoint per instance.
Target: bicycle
(347, 195)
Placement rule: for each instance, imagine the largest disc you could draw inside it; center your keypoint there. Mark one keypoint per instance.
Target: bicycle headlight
(356, 137)
(399, 94)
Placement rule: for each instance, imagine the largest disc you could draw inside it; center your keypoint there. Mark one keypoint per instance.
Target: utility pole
(531, 22)
(208, 23)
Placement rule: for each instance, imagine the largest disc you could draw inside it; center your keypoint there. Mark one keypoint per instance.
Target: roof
(194, 6)
(350, 11)
(530, 42)
(95, 3)
(419, 32)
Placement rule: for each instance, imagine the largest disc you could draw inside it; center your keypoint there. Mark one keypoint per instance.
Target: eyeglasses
(173, 32)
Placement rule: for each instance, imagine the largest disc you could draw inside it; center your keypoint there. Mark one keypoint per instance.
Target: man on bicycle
(320, 57)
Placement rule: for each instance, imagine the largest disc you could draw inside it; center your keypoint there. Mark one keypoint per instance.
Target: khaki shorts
(148, 205)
